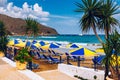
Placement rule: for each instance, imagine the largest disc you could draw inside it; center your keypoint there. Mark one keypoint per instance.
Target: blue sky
(58, 14)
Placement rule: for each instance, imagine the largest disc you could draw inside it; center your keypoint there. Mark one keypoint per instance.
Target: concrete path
(54, 75)
(8, 71)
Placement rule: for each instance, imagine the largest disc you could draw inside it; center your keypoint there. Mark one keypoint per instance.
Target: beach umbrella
(16, 41)
(37, 44)
(73, 46)
(34, 41)
(13, 42)
(52, 45)
(33, 46)
(20, 44)
(82, 52)
(100, 51)
(58, 43)
(28, 43)
(42, 43)
(10, 43)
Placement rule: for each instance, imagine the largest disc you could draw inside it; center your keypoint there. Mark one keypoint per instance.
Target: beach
(57, 50)
(44, 65)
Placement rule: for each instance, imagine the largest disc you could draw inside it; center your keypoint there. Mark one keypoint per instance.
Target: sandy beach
(88, 63)
(45, 65)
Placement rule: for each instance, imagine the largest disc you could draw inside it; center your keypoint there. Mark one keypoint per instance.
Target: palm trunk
(100, 40)
(112, 70)
(114, 74)
(106, 32)
(106, 69)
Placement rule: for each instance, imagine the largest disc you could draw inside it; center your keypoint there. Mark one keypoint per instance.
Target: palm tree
(106, 20)
(89, 19)
(98, 14)
(31, 27)
(108, 48)
(106, 23)
(3, 38)
(113, 43)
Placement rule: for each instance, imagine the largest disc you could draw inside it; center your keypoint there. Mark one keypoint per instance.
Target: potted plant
(22, 58)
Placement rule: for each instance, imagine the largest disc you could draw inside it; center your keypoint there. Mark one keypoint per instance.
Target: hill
(15, 26)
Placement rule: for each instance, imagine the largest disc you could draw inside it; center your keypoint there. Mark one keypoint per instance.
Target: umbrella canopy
(99, 50)
(13, 42)
(52, 45)
(82, 52)
(33, 46)
(73, 46)
(28, 43)
(42, 43)
(58, 43)
(20, 44)
(34, 41)
(37, 44)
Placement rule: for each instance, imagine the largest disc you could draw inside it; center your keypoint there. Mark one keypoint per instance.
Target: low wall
(87, 73)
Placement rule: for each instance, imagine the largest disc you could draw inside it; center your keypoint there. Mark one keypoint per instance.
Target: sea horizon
(63, 38)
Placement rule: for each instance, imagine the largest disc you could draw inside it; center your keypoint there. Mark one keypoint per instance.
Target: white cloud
(61, 17)
(26, 11)
(3, 2)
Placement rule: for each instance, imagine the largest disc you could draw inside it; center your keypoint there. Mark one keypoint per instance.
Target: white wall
(87, 73)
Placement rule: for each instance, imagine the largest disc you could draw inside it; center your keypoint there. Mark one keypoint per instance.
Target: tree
(98, 14)
(106, 20)
(3, 38)
(112, 51)
(31, 27)
(108, 48)
(89, 19)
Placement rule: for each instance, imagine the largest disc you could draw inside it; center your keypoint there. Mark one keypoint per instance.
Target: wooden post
(78, 61)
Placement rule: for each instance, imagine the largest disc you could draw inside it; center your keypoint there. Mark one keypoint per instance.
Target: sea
(82, 39)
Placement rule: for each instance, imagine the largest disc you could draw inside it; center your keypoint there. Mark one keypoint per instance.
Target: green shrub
(23, 56)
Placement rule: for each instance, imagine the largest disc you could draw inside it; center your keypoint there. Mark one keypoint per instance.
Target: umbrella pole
(67, 59)
(60, 59)
(95, 64)
(78, 61)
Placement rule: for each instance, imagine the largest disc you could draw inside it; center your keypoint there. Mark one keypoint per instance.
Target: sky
(58, 14)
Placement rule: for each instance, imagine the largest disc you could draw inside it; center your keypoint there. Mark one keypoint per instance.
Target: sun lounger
(55, 60)
(35, 66)
(71, 57)
(98, 60)
(74, 58)
(49, 51)
(41, 50)
(54, 53)
(10, 56)
(47, 58)
(32, 66)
